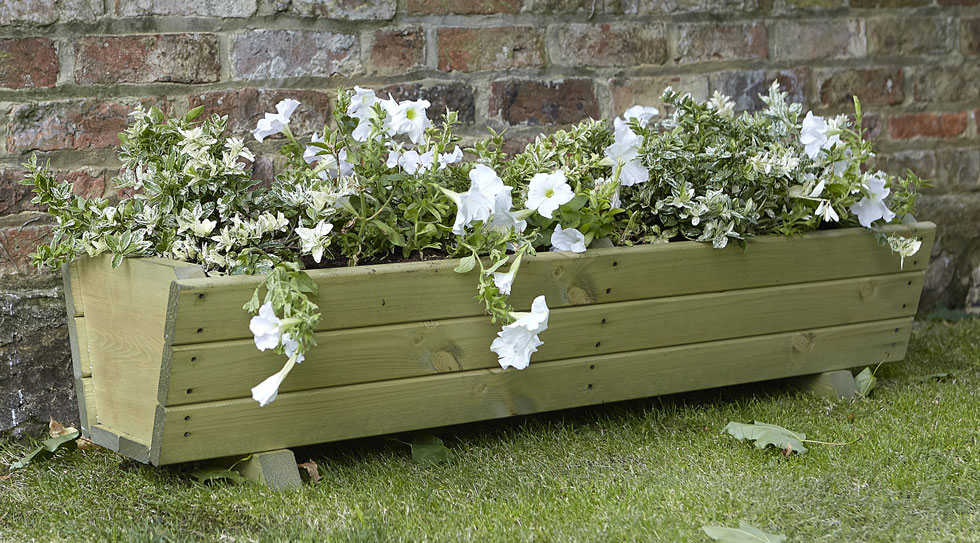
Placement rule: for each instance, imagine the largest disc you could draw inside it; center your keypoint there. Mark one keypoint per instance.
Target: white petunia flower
(409, 118)
(273, 123)
(569, 239)
(312, 153)
(265, 327)
(505, 280)
(826, 212)
(315, 240)
(268, 390)
(446, 159)
(642, 114)
(547, 191)
(872, 207)
(412, 162)
(290, 346)
(624, 153)
(503, 216)
(487, 180)
(471, 206)
(817, 134)
(516, 342)
(329, 168)
(361, 100)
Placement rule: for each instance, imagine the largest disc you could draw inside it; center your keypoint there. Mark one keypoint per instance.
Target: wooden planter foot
(830, 384)
(275, 469)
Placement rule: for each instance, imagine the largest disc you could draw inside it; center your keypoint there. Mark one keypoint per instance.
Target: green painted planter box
(164, 360)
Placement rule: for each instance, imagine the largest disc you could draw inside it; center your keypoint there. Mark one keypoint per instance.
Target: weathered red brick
(745, 88)
(946, 83)
(819, 39)
(397, 51)
(456, 96)
(28, 62)
(18, 241)
(46, 12)
(970, 36)
(244, 108)
(888, 3)
(927, 125)
(814, 4)
(186, 8)
(462, 7)
(16, 198)
(179, 58)
(566, 101)
(587, 7)
(910, 36)
(345, 10)
(276, 54)
(646, 91)
(705, 42)
(949, 170)
(494, 48)
(71, 124)
(874, 86)
(612, 44)
(702, 6)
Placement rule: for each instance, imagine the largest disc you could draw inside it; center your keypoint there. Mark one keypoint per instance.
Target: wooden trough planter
(164, 360)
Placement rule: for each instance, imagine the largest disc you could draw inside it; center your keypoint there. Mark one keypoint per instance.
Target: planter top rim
(191, 271)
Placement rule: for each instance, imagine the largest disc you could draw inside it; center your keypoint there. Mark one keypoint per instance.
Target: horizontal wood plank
(210, 309)
(226, 370)
(225, 428)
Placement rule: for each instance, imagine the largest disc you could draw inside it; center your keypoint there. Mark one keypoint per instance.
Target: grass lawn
(650, 470)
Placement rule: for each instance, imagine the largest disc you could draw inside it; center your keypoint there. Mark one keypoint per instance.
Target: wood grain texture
(73, 291)
(125, 330)
(210, 309)
(85, 394)
(201, 372)
(225, 428)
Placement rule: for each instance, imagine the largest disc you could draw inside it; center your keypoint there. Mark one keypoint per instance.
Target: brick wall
(71, 69)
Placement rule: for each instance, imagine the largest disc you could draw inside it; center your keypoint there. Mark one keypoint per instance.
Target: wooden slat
(224, 428)
(210, 309)
(202, 372)
(73, 289)
(81, 343)
(125, 324)
(85, 394)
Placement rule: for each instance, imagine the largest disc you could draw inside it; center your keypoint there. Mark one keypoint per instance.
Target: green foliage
(348, 197)
(866, 381)
(765, 435)
(745, 533)
(429, 450)
(47, 448)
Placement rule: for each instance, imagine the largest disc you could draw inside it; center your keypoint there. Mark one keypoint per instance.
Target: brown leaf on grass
(6, 477)
(56, 429)
(312, 469)
(85, 444)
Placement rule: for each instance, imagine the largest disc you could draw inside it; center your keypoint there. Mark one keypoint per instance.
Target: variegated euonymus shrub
(384, 183)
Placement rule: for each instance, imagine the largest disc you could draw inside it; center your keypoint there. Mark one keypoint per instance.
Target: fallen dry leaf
(312, 469)
(85, 444)
(56, 429)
